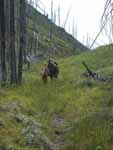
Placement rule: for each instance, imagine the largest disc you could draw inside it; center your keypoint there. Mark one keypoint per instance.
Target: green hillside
(71, 113)
(52, 40)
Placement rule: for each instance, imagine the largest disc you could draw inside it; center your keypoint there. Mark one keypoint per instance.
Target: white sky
(86, 15)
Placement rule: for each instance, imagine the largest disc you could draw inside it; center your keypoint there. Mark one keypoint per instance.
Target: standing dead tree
(73, 28)
(13, 30)
(76, 31)
(52, 15)
(22, 22)
(106, 21)
(12, 53)
(59, 17)
(33, 34)
(68, 13)
(2, 41)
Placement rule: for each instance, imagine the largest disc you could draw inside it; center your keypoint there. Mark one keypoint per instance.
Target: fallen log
(91, 74)
(96, 76)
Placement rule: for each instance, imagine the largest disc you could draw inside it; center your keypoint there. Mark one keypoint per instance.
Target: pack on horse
(51, 70)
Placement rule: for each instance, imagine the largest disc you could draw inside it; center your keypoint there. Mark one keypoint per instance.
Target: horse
(50, 72)
(53, 72)
(45, 74)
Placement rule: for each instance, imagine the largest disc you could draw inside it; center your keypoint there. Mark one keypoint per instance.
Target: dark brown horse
(53, 72)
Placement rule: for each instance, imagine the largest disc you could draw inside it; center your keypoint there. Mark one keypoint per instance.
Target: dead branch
(91, 74)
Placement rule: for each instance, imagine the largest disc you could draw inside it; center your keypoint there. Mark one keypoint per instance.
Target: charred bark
(2, 41)
(22, 20)
(13, 73)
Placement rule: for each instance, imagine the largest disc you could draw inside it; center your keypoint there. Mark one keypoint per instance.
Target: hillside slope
(59, 42)
(72, 113)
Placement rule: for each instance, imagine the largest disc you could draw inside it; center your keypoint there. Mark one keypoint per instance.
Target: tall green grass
(86, 106)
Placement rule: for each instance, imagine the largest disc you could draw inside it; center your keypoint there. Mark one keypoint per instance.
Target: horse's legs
(45, 78)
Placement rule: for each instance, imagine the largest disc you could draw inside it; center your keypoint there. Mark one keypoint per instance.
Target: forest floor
(71, 113)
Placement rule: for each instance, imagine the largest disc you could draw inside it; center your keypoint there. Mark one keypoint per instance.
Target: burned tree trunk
(12, 53)
(51, 24)
(22, 22)
(95, 76)
(91, 74)
(2, 41)
(7, 32)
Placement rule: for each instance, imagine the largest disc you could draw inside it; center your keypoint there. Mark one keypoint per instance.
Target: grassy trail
(76, 112)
